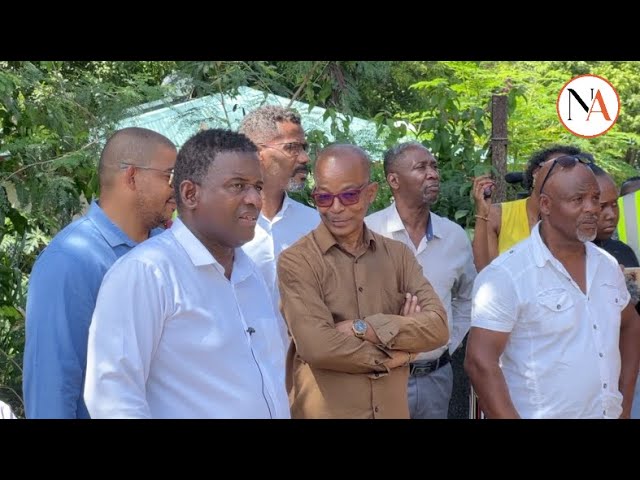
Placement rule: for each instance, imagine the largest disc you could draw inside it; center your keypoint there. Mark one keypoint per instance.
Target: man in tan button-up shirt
(357, 305)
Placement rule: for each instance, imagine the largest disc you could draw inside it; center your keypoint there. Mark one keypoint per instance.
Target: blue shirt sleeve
(60, 301)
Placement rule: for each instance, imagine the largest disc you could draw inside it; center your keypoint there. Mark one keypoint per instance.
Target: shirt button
(558, 306)
(616, 300)
(595, 327)
(604, 412)
(601, 354)
(604, 385)
(360, 289)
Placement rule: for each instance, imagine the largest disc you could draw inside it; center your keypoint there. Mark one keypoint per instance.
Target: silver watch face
(360, 326)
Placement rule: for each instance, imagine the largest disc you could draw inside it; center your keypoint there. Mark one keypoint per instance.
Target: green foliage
(49, 115)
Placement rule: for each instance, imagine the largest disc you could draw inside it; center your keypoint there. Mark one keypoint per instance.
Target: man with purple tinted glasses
(356, 303)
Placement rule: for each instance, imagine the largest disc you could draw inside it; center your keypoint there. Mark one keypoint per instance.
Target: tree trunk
(499, 145)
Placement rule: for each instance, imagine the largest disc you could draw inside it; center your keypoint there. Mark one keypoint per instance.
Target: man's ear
(545, 204)
(130, 177)
(372, 191)
(189, 194)
(392, 180)
(261, 157)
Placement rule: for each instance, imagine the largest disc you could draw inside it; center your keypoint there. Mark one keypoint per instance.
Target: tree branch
(48, 161)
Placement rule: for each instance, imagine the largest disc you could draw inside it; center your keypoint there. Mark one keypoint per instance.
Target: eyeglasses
(291, 149)
(348, 197)
(565, 161)
(166, 172)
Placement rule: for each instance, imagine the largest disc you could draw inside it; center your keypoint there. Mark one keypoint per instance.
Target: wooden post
(499, 145)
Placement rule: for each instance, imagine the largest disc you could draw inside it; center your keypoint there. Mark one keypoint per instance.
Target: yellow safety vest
(628, 225)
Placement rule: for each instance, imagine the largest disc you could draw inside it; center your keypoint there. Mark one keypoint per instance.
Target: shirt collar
(542, 254)
(109, 230)
(434, 223)
(199, 255)
(325, 239)
(286, 203)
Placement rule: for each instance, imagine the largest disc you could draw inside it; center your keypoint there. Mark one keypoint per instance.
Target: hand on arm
(318, 340)
(423, 329)
(399, 358)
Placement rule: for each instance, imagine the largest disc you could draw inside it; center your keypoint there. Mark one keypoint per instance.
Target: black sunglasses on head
(566, 161)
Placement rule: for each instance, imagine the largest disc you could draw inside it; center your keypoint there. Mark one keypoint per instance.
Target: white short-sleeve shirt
(562, 359)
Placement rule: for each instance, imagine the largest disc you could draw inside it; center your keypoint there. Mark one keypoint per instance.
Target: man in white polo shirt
(282, 149)
(443, 250)
(184, 326)
(553, 334)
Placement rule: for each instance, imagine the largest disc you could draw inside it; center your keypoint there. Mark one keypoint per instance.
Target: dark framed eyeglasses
(566, 161)
(348, 197)
(166, 172)
(291, 149)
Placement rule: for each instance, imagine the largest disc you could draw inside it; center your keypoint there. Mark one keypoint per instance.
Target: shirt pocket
(555, 311)
(612, 296)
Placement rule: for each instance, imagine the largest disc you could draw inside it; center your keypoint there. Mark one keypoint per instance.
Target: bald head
(569, 202)
(133, 145)
(343, 158)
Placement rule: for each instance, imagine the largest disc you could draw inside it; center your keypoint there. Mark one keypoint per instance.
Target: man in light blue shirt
(136, 171)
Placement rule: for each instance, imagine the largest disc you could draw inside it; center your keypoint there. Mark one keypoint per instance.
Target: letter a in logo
(588, 106)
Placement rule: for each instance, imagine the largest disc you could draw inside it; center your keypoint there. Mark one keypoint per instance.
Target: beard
(295, 185)
(584, 237)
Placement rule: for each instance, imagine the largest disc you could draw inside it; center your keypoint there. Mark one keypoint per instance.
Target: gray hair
(395, 152)
(261, 125)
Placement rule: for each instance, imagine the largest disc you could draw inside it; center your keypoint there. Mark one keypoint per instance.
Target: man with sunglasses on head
(136, 197)
(443, 250)
(499, 226)
(553, 334)
(357, 304)
(282, 149)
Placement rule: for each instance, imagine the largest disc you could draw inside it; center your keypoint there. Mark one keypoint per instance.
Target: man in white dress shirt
(282, 150)
(184, 327)
(553, 334)
(443, 250)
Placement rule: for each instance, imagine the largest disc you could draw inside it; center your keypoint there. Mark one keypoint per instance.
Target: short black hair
(200, 151)
(543, 155)
(395, 152)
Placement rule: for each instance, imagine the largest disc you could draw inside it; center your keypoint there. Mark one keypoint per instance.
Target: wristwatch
(359, 327)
